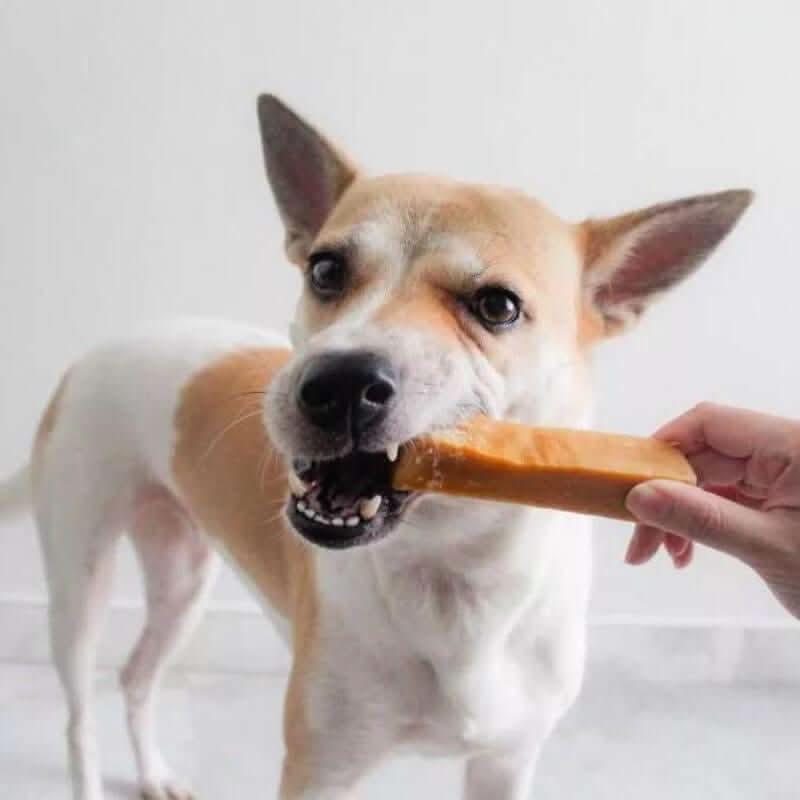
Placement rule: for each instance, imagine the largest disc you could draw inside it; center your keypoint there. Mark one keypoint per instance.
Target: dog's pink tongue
(328, 500)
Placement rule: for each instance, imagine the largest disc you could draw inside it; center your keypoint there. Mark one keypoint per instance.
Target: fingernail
(646, 502)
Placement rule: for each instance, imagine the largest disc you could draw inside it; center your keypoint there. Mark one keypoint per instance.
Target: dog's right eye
(327, 275)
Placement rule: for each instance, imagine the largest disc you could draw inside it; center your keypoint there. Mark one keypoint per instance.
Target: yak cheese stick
(572, 470)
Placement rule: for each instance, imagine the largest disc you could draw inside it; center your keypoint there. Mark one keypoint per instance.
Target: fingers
(731, 432)
(714, 468)
(644, 544)
(680, 549)
(646, 541)
(701, 516)
(736, 494)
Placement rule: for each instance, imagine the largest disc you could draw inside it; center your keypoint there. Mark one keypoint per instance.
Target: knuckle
(786, 540)
(705, 408)
(708, 519)
(775, 466)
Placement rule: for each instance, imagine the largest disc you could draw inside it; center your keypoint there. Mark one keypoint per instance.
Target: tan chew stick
(572, 470)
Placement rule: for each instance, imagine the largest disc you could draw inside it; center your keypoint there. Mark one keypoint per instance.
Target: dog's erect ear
(307, 174)
(633, 258)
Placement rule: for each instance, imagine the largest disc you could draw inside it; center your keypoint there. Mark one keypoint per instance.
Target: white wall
(131, 187)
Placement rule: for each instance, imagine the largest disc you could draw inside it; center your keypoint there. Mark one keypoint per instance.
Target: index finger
(733, 432)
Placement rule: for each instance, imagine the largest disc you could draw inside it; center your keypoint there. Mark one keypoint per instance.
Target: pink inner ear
(310, 180)
(307, 174)
(658, 253)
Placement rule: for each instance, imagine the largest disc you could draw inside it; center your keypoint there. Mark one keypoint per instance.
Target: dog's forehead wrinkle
(396, 234)
(459, 254)
(400, 235)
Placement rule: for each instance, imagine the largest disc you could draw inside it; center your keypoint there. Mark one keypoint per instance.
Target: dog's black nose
(346, 391)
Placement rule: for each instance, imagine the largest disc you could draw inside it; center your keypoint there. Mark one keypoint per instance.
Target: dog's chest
(443, 654)
(474, 708)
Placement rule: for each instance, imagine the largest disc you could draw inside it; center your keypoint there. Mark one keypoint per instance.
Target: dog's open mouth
(345, 501)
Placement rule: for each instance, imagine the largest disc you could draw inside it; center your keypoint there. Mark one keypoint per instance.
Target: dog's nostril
(316, 394)
(346, 391)
(379, 394)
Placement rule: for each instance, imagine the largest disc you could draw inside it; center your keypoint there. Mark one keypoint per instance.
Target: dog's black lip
(323, 535)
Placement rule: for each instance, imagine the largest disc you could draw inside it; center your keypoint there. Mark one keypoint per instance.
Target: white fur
(382, 239)
(462, 633)
(105, 468)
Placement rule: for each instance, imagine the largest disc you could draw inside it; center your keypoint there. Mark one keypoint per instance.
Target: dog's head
(426, 301)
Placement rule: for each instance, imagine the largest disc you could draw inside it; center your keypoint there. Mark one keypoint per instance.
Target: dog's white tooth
(309, 512)
(297, 487)
(392, 450)
(369, 508)
(301, 506)
(337, 522)
(351, 522)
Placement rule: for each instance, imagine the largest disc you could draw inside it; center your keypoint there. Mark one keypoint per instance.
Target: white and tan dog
(455, 627)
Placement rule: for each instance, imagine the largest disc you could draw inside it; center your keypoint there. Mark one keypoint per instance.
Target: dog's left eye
(496, 307)
(327, 275)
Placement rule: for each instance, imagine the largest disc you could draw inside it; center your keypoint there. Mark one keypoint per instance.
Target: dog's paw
(165, 789)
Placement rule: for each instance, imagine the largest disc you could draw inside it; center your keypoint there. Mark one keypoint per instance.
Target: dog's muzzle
(348, 499)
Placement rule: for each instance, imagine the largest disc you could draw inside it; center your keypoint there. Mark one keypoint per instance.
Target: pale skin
(746, 504)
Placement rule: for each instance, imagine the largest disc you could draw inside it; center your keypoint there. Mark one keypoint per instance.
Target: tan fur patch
(427, 220)
(48, 423)
(235, 485)
(422, 310)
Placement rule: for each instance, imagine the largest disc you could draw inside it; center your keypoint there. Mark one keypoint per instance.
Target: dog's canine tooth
(297, 487)
(351, 522)
(309, 512)
(369, 508)
(392, 450)
(337, 522)
(301, 506)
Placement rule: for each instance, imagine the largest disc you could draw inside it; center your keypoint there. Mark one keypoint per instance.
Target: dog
(453, 627)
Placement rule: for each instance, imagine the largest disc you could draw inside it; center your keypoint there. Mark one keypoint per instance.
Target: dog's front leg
(327, 770)
(303, 781)
(501, 775)
(333, 736)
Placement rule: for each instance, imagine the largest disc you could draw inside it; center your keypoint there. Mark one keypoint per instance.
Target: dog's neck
(452, 581)
(464, 571)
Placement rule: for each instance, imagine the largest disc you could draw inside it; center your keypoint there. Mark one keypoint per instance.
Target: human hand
(746, 504)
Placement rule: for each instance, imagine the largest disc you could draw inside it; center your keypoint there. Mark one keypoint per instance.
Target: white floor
(625, 739)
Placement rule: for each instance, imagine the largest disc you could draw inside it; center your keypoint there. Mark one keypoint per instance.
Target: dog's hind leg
(178, 567)
(79, 555)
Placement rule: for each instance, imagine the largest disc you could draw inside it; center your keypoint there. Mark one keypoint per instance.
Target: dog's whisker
(268, 484)
(218, 437)
(271, 460)
(274, 518)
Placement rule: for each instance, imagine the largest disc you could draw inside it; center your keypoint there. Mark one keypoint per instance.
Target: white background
(131, 188)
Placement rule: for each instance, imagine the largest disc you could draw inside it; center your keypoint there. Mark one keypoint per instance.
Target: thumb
(699, 515)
